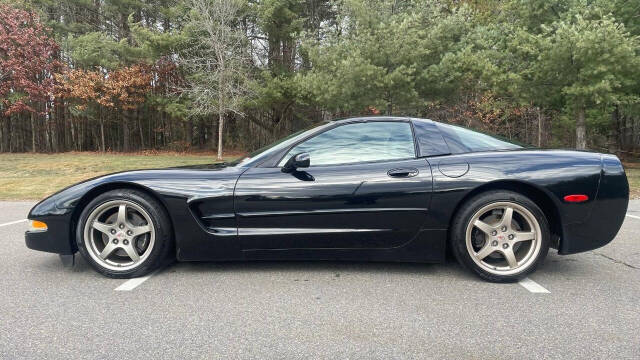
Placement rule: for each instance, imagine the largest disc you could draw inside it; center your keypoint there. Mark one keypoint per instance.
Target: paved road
(319, 310)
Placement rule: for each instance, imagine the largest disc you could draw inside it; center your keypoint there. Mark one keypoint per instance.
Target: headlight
(35, 225)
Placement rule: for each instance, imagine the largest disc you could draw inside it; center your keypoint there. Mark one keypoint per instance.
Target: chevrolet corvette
(369, 188)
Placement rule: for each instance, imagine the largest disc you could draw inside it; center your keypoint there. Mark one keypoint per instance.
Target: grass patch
(633, 175)
(34, 176)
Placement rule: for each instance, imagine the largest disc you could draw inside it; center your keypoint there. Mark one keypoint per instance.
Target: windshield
(264, 152)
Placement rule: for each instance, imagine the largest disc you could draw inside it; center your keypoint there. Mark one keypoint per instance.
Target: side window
(462, 140)
(429, 138)
(359, 142)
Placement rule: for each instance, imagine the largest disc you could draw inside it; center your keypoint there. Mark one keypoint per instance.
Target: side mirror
(301, 160)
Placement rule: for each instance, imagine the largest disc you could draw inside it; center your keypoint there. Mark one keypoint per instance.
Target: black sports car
(372, 188)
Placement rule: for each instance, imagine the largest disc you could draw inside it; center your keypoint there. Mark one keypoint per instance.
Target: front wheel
(124, 233)
(501, 236)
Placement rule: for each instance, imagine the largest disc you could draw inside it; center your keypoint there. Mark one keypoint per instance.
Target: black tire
(470, 209)
(162, 250)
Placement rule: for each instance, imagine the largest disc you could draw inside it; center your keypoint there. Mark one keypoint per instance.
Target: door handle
(403, 172)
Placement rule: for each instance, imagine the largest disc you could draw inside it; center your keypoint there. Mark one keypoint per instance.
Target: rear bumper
(607, 213)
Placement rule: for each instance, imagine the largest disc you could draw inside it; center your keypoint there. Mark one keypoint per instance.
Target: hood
(216, 166)
(187, 181)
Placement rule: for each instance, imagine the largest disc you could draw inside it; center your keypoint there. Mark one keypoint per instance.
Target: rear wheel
(501, 236)
(124, 233)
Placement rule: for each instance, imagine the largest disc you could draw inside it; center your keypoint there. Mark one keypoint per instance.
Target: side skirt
(428, 246)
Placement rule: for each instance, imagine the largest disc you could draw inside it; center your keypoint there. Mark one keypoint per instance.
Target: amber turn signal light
(576, 198)
(38, 225)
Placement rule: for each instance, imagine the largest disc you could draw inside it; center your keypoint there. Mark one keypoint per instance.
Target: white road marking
(533, 286)
(133, 283)
(13, 222)
(633, 216)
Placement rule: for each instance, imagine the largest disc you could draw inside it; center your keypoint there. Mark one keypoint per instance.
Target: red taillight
(576, 198)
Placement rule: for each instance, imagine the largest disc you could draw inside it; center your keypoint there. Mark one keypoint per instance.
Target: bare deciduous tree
(216, 59)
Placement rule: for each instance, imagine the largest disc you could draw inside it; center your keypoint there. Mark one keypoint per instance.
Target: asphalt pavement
(578, 306)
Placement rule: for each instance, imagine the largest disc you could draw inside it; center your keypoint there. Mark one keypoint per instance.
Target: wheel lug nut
(511, 236)
(504, 228)
(493, 233)
(126, 242)
(504, 246)
(115, 241)
(121, 226)
(129, 232)
(113, 231)
(494, 243)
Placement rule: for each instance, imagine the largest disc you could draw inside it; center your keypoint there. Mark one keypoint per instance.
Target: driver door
(364, 188)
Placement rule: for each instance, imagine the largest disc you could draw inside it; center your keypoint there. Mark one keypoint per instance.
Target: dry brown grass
(34, 176)
(633, 174)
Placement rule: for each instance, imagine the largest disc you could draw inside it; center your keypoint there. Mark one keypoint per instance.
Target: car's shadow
(554, 264)
(52, 263)
(315, 266)
(565, 265)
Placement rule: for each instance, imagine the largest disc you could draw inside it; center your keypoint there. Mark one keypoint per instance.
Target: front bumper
(56, 239)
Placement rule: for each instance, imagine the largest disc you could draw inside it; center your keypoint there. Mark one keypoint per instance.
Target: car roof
(380, 118)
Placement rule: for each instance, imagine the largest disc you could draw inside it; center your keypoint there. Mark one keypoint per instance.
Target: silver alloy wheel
(503, 238)
(119, 235)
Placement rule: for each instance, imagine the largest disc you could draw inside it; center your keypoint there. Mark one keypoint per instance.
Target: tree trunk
(33, 133)
(288, 54)
(220, 128)
(79, 133)
(125, 132)
(54, 130)
(102, 133)
(581, 129)
(141, 132)
(6, 134)
(3, 134)
(188, 131)
(74, 141)
(169, 131)
(540, 127)
(150, 136)
(95, 14)
(613, 131)
(212, 140)
(47, 137)
(202, 131)
(221, 83)
(627, 131)
(20, 138)
(274, 53)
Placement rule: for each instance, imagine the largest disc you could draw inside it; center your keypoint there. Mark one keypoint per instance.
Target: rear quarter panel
(607, 215)
(555, 172)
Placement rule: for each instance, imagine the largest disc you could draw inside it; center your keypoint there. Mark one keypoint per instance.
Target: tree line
(183, 75)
